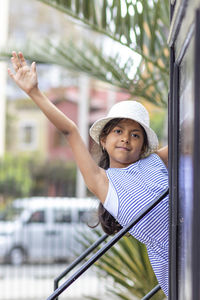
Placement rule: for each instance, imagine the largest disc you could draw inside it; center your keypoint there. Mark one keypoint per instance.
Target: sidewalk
(36, 283)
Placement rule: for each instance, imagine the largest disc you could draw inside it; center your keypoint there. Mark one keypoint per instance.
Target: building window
(28, 136)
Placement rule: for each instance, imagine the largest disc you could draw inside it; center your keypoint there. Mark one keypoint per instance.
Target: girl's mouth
(123, 148)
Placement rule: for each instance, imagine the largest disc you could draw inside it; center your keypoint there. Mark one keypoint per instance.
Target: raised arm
(26, 78)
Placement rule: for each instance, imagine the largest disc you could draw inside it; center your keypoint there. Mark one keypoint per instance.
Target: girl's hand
(25, 76)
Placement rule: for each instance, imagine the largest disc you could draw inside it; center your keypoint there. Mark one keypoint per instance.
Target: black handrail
(79, 259)
(105, 248)
(152, 292)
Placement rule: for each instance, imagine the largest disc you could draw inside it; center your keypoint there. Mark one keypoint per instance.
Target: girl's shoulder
(151, 161)
(153, 157)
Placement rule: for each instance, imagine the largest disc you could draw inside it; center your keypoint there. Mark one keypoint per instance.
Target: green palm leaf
(139, 25)
(128, 265)
(124, 22)
(92, 60)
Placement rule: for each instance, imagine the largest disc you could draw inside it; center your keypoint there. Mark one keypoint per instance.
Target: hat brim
(97, 127)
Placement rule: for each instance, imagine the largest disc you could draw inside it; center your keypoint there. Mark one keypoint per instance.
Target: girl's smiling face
(124, 143)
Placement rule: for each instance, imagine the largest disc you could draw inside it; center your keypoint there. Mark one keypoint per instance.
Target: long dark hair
(107, 221)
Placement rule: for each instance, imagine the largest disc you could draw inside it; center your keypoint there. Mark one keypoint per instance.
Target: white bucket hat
(127, 110)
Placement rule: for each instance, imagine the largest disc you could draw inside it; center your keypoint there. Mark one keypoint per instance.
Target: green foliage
(58, 175)
(157, 123)
(140, 25)
(127, 264)
(22, 176)
(15, 177)
(136, 24)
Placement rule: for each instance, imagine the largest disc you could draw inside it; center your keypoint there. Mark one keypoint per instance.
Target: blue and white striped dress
(136, 186)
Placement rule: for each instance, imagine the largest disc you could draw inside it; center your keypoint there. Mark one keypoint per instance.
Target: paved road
(35, 282)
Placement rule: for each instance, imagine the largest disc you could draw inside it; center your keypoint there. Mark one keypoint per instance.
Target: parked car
(44, 229)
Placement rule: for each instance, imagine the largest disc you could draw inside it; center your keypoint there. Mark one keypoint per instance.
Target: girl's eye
(117, 131)
(135, 135)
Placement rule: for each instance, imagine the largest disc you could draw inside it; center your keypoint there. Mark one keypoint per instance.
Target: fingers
(20, 66)
(33, 67)
(10, 73)
(22, 59)
(15, 61)
(18, 61)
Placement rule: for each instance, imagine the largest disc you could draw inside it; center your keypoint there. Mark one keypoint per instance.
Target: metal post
(4, 8)
(196, 151)
(83, 117)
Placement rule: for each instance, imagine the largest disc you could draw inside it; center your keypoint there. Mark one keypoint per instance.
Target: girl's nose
(125, 139)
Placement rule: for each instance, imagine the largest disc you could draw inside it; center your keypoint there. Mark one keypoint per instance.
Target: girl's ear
(103, 142)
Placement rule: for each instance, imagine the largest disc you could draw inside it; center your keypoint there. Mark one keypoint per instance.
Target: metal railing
(102, 251)
(79, 260)
(152, 292)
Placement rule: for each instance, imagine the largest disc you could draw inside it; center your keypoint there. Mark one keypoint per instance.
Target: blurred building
(26, 128)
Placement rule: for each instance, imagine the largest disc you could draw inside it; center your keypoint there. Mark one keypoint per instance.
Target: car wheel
(17, 256)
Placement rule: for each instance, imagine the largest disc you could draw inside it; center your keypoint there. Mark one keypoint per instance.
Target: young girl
(132, 171)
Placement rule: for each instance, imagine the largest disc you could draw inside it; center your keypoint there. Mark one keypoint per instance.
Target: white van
(45, 229)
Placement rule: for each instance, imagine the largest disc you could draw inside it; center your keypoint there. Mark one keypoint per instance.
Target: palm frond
(124, 22)
(128, 265)
(139, 25)
(145, 83)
